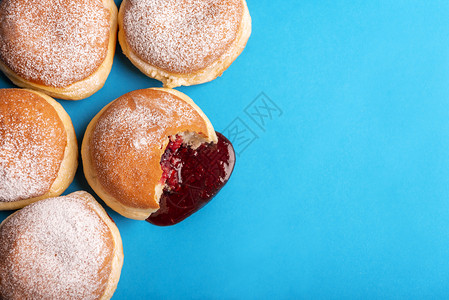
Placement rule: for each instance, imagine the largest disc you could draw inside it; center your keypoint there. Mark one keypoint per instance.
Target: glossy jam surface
(192, 177)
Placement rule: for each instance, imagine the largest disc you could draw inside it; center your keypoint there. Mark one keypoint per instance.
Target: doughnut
(60, 248)
(131, 147)
(63, 48)
(38, 148)
(184, 42)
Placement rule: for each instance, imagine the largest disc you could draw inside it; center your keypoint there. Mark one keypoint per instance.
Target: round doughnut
(38, 148)
(124, 143)
(63, 48)
(183, 42)
(60, 248)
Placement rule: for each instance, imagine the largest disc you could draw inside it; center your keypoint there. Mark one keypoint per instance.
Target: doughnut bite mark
(183, 42)
(38, 148)
(192, 178)
(60, 248)
(125, 143)
(63, 48)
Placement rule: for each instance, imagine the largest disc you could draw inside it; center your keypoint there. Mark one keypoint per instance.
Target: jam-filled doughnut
(38, 148)
(183, 42)
(61, 47)
(60, 248)
(154, 152)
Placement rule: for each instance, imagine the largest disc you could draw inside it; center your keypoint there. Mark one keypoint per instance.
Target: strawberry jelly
(192, 178)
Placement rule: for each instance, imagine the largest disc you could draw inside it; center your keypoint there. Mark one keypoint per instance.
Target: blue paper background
(344, 189)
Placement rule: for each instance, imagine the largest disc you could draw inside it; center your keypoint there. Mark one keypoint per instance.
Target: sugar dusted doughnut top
(57, 248)
(32, 145)
(128, 140)
(181, 36)
(53, 42)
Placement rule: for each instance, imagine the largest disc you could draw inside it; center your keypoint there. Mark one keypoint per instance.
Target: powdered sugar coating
(127, 142)
(142, 125)
(181, 36)
(32, 145)
(53, 42)
(57, 248)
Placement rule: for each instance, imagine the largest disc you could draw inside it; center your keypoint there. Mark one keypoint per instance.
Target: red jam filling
(192, 178)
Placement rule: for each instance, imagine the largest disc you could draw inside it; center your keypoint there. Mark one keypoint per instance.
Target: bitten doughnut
(38, 148)
(127, 151)
(60, 248)
(183, 42)
(63, 48)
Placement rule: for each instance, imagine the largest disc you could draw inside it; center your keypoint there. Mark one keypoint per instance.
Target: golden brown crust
(38, 152)
(60, 248)
(209, 67)
(124, 143)
(66, 77)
